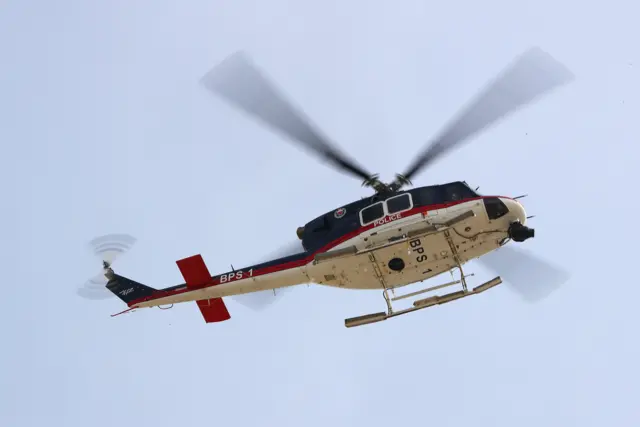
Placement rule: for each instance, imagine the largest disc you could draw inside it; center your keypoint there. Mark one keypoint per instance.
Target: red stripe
(309, 258)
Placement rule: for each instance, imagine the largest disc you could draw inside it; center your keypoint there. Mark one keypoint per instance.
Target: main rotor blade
(532, 278)
(241, 84)
(260, 300)
(532, 75)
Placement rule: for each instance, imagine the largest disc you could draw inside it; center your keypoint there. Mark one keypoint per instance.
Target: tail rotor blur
(107, 248)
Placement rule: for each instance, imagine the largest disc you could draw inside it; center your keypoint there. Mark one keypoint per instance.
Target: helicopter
(391, 239)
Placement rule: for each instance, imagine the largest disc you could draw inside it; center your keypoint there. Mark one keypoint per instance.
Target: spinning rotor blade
(532, 75)
(260, 300)
(293, 247)
(110, 246)
(93, 294)
(531, 277)
(107, 248)
(241, 84)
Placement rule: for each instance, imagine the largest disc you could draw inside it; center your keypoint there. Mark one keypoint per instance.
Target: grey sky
(104, 128)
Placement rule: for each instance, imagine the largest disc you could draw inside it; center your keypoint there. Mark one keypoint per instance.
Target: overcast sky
(104, 128)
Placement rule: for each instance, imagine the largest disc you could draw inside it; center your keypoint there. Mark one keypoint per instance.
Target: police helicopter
(395, 237)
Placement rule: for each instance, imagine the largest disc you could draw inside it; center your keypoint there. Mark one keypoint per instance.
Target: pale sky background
(105, 129)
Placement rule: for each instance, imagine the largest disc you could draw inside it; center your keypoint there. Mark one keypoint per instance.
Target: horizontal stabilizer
(196, 274)
(194, 271)
(213, 310)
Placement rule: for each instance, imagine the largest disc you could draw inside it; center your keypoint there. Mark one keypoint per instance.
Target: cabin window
(399, 203)
(372, 213)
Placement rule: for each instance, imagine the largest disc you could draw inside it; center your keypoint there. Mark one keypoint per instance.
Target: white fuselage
(366, 266)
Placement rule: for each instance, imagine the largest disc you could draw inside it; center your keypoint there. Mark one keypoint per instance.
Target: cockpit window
(372, 213)
(399, 203)
(457, 191)
(427, 196)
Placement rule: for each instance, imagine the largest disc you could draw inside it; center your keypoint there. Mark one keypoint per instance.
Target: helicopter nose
(516, 210)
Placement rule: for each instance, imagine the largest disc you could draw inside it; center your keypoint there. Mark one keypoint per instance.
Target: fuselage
(384, 241)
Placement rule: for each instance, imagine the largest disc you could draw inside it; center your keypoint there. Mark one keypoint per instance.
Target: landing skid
(422, 303)
(430, 301)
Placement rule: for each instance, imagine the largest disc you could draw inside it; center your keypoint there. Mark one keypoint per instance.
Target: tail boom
(279, 279)
(206, 290)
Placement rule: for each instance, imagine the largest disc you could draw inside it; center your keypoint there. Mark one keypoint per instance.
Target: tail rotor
(108, 248)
